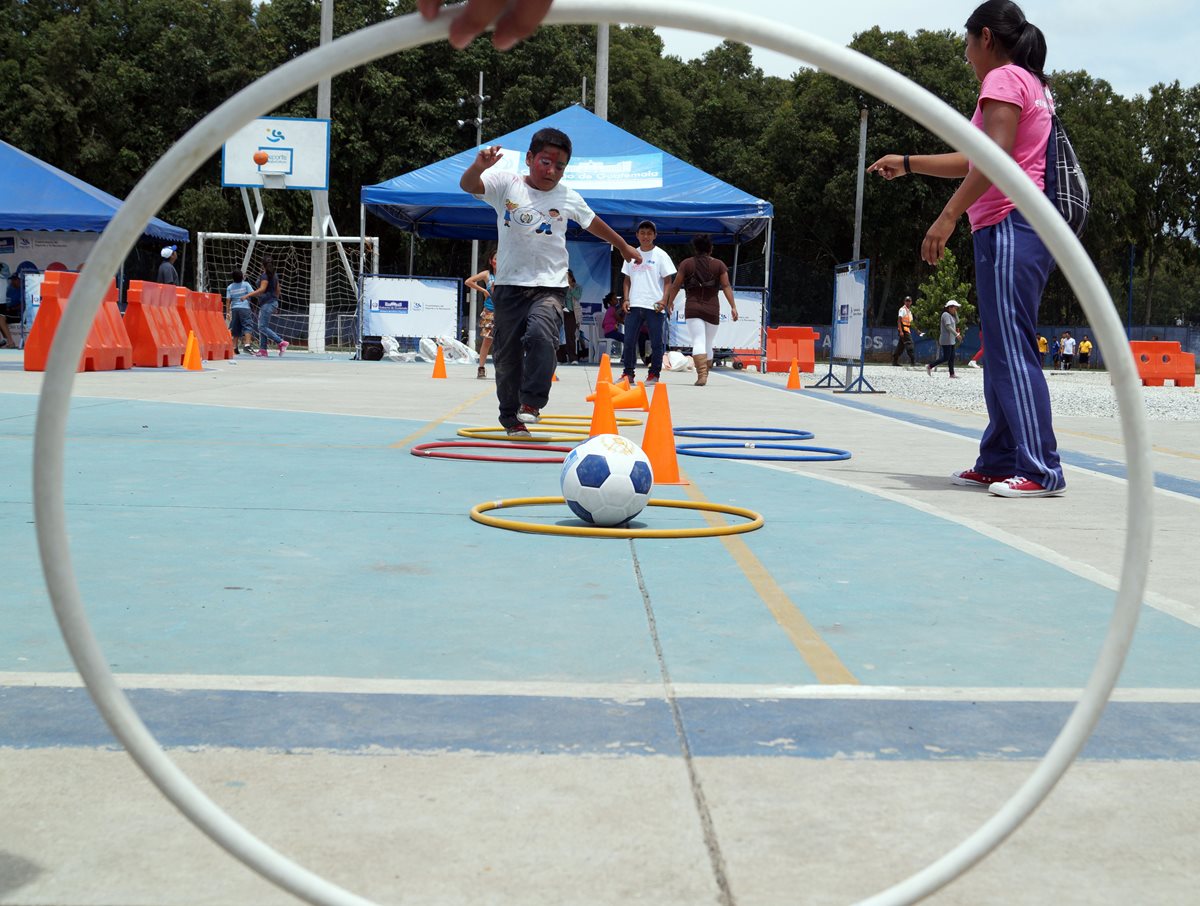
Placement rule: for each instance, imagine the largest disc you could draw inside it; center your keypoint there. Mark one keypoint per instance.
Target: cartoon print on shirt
(509, 207)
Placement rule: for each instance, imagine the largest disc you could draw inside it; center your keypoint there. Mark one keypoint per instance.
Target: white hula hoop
(361, 47)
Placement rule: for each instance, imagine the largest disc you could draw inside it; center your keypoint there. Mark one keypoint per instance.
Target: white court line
(941, 432)
(1181, 610)
(608, 691)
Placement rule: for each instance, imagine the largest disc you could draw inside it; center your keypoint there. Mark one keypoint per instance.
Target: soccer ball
(606, 480)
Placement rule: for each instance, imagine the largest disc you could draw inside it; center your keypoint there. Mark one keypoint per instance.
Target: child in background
(483, 282)
(239, 316)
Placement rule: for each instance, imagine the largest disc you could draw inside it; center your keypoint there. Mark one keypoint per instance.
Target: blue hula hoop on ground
(782, 434)
(831, 453)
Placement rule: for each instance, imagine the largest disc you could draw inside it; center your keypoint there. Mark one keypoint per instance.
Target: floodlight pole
(472, 305)
(602, 71)
(858, 191)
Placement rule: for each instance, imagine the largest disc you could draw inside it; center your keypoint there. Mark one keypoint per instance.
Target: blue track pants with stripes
(1011, 269)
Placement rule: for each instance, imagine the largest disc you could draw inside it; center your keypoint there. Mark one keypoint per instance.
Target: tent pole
(768, 269)
(737, 246)
(412, 239)
(362, 248)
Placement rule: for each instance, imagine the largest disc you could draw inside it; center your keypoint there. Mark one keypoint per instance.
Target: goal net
(218, 255)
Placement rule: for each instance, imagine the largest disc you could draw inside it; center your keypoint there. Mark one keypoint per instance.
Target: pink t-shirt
(1011, 84)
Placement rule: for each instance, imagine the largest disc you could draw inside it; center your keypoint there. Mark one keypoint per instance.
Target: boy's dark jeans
(657, 322)
(524, 350)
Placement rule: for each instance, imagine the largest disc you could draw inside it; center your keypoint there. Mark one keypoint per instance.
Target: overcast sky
(1132, 45)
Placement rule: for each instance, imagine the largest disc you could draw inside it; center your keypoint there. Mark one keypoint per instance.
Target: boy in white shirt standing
(646, 286)
(531, 268)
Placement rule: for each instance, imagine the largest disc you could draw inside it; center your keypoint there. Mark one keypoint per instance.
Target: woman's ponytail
(1021, 39)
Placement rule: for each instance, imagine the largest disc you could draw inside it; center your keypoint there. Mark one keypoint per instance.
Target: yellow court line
(821, 659)
(404, 442)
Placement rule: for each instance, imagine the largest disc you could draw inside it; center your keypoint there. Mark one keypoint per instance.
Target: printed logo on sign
(8, 245)
(843, 313)
(398, 306)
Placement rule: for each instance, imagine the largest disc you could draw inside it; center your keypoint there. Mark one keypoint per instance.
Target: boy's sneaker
(529, 415)
(652, 379)
(1018, 486)
(519, 431)
(977, 479)
(283, 345)
(262, 352)
(929, 369)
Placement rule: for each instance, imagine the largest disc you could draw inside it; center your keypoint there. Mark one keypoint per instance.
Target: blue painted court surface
(425, 709)
(213, 541)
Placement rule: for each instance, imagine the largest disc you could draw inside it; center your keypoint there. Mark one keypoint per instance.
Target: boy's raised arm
(602, 230)
(472, 178)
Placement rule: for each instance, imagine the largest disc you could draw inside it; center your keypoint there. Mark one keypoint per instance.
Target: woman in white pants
(702, 276)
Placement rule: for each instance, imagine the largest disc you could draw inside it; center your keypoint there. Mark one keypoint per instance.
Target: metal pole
(320, 201)
(602, 71)
(1129, 294)
(858, 190)
(473, 301)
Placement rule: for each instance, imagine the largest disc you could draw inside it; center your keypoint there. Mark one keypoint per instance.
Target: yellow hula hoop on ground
(479, 514)
(549, 435)
(623, 421)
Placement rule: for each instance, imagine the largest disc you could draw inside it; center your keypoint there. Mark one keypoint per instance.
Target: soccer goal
(219, 254)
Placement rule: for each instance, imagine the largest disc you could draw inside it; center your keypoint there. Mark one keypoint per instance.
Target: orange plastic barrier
(107, 347)
(1157, 361)
(213, 312)
(787, 343)
(154, 325)
(196, 311)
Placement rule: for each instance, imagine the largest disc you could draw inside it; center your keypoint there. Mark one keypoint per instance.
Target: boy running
(531, 268)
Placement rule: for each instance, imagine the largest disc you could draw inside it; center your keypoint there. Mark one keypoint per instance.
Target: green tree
(944, 284)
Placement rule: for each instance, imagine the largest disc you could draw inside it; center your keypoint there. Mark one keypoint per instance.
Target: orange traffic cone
(604, 375)
(611, 389)
(794, 376)
(554, 377)
(604, 420)
(658, 441)
(191, 354)
(439, 364)
(632, 399)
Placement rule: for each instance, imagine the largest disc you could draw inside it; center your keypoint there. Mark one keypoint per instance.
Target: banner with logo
(410, 306)
(36, 251)
(744, 333)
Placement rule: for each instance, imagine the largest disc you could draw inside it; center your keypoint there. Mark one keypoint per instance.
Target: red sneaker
(529, 415)
(652, 379)
(975, 479)
(1018, 486)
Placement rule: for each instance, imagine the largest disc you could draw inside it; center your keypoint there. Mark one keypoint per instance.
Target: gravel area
(1072, 393)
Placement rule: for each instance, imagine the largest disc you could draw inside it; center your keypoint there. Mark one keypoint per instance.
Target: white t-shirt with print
(532, 226)
(646, 279)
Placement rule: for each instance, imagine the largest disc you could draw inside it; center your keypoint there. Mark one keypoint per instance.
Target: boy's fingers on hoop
(476, 16)
(519, 22)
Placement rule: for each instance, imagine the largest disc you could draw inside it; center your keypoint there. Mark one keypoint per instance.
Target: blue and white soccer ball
(607, 480)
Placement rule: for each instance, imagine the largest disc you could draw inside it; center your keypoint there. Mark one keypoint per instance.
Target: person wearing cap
(166, 270)
(904, 341)
(647, 292)
(948, 338)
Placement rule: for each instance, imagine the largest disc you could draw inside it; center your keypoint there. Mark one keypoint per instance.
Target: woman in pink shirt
(1018, 453)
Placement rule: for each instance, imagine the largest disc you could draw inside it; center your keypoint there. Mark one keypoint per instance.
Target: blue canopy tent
(37, 196)
(623, 178)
